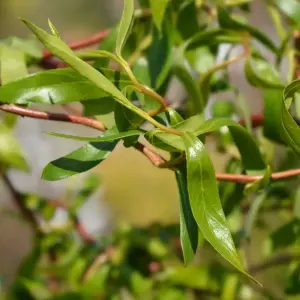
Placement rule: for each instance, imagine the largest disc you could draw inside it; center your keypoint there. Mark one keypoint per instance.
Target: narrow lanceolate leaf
(125, 25)
(104, 138)
(160, 54)
(261, 74)
(205, 202)
(13, 64)
(187, 21)
(253, 214)
(79, 161)
(213, 37)
(188, 226)
(181, 72)
(228, 22)
(158, 9)
(61, 50)
(109, 44)
(174, 117)
(125, 119)
(290, 130)
(58, 87)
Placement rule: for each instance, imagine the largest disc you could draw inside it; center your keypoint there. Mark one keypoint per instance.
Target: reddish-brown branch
(37, 114)
(50, 62)
(256, 120)
(155, 158)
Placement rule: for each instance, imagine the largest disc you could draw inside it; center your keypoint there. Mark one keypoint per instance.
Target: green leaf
(58, 87)
(201, 59)
(291, 8)
(125, 119)
(261, 74)
(158, 9)
(253, 214)
(31, 48)
(174, 117)
(272, 108)
(228, 22)
(285, 125)
(293, 280)
(61, 50)
(181, 72)
(204, 83)
(187, 21)
(125, 26)
(142, 72)
(260, 183)
(171, 142)
(188, 226)
(160, 54)
(250, 153)
(205, 202)
(103, 138)
(223, 109)
(37, 289)
(99, 107)
(53, 29)
(10, 151)
(213, 37)
(79, 161)
(231, 193)
(13, 64)
(109, 45)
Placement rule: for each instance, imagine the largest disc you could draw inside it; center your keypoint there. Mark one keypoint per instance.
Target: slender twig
(37, 114)
(19, 202)
(154, 157)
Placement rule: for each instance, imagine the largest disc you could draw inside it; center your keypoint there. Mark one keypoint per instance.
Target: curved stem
(140, 87)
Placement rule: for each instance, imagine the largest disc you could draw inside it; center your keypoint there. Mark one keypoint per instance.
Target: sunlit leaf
(125, 25)
(58, 87)
(62, 51)
(205, 202)
(250, 153)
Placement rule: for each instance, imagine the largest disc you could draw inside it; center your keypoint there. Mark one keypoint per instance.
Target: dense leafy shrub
(128, 76)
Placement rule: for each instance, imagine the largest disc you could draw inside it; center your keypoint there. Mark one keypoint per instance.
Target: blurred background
(132, 189)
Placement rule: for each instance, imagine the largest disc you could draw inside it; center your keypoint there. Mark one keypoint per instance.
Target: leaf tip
(53, 29)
